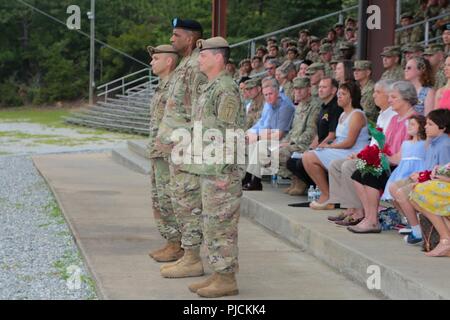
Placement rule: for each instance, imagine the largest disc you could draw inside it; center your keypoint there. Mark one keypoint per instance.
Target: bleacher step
(131, 160)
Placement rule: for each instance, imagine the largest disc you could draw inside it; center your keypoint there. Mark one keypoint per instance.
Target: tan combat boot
(189, 266)
(298, 189)
(156, 252)
(288, 189)
(172, 252)
(198, 285)
(223, 285)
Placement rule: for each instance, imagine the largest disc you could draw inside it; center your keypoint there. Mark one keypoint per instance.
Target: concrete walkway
(109, 212)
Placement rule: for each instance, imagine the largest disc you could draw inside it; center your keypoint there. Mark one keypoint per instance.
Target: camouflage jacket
(367, 102)
(304, 126)
(440, 79)
(254, 112)
(157, 106)
(395, 74)
(288, 89)
(218, 108)
(313, 56)
(413, 35)
(183, 92)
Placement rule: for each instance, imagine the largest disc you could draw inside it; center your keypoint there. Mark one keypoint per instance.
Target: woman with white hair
(402, 99)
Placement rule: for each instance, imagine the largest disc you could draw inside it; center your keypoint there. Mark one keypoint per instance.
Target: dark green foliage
(42, 61)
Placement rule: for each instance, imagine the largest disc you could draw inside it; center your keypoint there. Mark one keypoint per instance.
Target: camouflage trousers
(187, 205)
(163, 213)
(221, 198)
(285, 154)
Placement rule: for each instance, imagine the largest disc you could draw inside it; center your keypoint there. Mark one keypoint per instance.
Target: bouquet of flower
(372, 159)
(444, 170)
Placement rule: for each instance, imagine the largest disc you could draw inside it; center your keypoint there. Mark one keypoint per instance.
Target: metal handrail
(124, 77)
(121, 83)
(296, 26)
(422, 22)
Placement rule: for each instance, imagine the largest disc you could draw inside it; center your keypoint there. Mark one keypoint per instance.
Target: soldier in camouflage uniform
(219, 108)
(392, 64)
(185, 188)
(410, 51)
(313, 54)
(411, 35)
(326, 55)
(434, 53)
(302, 133)
(315, 73)
(255, 107)
(362, 72)
(164, 61)
(303, 44)
(281, 74)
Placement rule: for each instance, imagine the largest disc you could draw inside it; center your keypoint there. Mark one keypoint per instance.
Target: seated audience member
(303, 68)
(271, 41)
(351, 136)
(231, 69)
(409, 35)
(257, 66)
(392, 64)
(434, 53)
(446, 38)
(402, 98)
(261, 52)
(326, 126)
(344, 72)
(347, 50)
(412, 153)
(313, 54)
(350, 35)
(326, 55)
(342, 190)
(315, 72)
(418, 72)
(292, 54)
(303, 43)
(274, 124)
(411, 50)
(443, 94)
(254, 108)
(245, 68)
(437, 153)
(362, 71)
(432, 199)
(282, 76)
(271, 66)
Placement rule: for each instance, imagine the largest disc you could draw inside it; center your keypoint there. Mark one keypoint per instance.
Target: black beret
(445, 27)
(187, 24)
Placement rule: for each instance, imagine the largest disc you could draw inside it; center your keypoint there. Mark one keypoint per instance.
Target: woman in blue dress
(352, 135)
(418, 71)
(412, 154)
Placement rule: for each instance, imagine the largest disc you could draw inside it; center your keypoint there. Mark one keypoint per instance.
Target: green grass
(50, 117)
(54, 212)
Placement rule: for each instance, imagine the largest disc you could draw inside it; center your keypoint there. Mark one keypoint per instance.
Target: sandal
(356, 229)
(341, 216)
(349, 221)
(321, 206)
(441, 250)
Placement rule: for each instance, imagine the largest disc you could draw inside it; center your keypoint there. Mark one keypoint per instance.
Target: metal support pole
(398, 11)
(427, 32)
(252, 49)
(91, 16)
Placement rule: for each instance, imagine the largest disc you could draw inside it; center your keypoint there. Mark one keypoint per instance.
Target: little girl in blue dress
(412, 154)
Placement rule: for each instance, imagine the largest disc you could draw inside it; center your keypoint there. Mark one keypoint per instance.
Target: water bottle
(317, 193)
(311, 194)
(274, 181)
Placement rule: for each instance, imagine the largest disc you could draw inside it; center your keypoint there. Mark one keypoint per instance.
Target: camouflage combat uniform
(254, 112)
(396, 74)
(440, 78)
(304, 129)
(160, 177)
(219, 107)
(288, 90)
(185, 188)
(367, 102)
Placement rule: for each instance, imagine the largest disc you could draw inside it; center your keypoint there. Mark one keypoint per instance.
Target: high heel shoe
(321, 206)
(441, 250)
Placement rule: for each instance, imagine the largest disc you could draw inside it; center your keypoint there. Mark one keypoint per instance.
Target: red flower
(371, 155)
(424, 176)
(386, 150)
(379, 129)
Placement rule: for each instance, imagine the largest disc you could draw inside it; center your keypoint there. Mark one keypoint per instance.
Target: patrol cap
(231, 61)
(334, 61)
(391, 51)
(272, 39)
(350, 19)
(325, 48)
(300, 82)
(362, 65)
(286, 67)
(164, 48)
(212, 43)
(292, 43)
(324, 41)
(314, 68)
(292, 49)
(263, 48)
(314, 39)
(433, 48)
(274, 46)
(338, 25)
(305, 31)
(346, 46)
(286, 39)
(412, 47)
(445, 27)
(253, 82)
(244, 61)
(408, 15)
(187, 24)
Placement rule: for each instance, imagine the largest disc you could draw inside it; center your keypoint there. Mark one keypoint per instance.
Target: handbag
(430, 235)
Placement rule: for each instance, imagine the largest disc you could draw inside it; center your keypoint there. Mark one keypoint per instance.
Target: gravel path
(38, 256)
